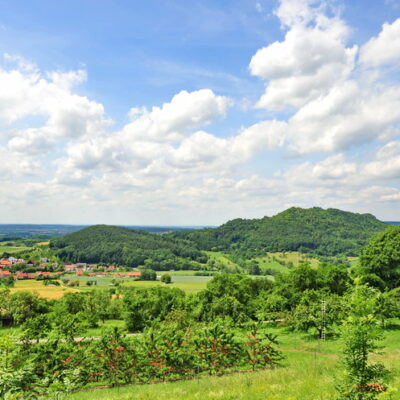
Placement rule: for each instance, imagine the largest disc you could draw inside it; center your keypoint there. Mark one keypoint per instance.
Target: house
(41, 273)
(4, 263)
(135, 274)
(4, 274)
(23, 275)
(70, 267)
(111, 268)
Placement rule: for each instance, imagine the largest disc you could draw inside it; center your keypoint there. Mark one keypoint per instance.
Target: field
(221, 258)
(13, 331)
(49, 292)
(307, 373)
(190, 284)
(12, 249)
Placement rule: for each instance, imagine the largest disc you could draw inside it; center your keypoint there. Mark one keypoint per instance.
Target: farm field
(190, 284)
(12, 249)
(49, 292)
(307, 373)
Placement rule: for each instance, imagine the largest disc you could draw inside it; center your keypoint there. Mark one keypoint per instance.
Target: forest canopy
(315, 230)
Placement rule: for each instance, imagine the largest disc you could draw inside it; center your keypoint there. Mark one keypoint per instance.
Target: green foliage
(143, 306)
(7, 282)
(362, 379)
(324, 232)
(381, 257)
(123, 246)
(166, 278)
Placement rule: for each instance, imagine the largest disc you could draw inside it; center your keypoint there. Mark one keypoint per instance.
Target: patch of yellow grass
(49, 292)
(295, 257)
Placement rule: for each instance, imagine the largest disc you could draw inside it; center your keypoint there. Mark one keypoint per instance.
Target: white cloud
(168, 163)
(311, 59)
(186, 111)
(346, 116)
(384, 48)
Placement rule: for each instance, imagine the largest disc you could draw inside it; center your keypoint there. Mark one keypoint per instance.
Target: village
(45, 269)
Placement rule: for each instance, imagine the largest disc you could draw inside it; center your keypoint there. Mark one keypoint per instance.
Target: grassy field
(190, 284)
(12, 249)
(221, 258)
(13, 331)
(49, 292)
(307, 373)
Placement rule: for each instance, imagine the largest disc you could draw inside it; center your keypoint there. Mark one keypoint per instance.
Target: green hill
(124, 246)
(314, 230)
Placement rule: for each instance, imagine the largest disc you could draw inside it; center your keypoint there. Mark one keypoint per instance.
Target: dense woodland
(314, 231)
(323, 232)
(124, 246)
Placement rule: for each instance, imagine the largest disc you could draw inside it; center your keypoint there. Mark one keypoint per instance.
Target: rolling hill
(124, 246)
(315, 230)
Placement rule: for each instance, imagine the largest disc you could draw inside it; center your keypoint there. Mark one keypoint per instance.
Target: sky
(169, 112)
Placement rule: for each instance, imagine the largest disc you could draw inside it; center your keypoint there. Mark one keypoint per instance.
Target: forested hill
(124, 246)
(324, 232)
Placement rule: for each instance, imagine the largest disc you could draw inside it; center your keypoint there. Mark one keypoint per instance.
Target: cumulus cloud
(308, 62)
(384, 48)
(341, 122)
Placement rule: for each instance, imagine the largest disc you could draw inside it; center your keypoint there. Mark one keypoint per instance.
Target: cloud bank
(331, 115)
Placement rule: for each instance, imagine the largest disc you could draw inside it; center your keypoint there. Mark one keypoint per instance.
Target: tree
(317, 310)
(25, 305)
(361, 334)
(166, 278)
(381, 256)
(148, 275)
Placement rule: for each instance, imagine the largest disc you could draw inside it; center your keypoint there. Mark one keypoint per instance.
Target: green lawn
(307, 373)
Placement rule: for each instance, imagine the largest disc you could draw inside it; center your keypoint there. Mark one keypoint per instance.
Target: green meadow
(307, 373)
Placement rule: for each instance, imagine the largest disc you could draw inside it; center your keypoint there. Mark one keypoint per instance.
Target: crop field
(307, 373)
(12, 249)
(189, 284)
(49, 292)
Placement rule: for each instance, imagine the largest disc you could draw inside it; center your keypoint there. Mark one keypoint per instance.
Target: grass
(49, 292)
(111, 323)
(12, 249)
(307, 373)
(221, 258)
(190, 284)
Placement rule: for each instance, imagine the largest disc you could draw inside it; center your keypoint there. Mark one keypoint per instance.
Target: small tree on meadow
(166, 278)
(362, 379)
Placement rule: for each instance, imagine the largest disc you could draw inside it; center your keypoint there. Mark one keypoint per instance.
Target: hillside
(314, 230)
(111, 244)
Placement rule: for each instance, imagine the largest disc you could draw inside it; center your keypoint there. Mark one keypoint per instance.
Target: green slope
(314, 230)
(111, 244)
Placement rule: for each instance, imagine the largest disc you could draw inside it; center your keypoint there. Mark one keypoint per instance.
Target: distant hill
(124, 246)
(315, 230)
(54, 230)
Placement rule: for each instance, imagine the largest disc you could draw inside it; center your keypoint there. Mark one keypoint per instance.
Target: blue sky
(286, 92)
